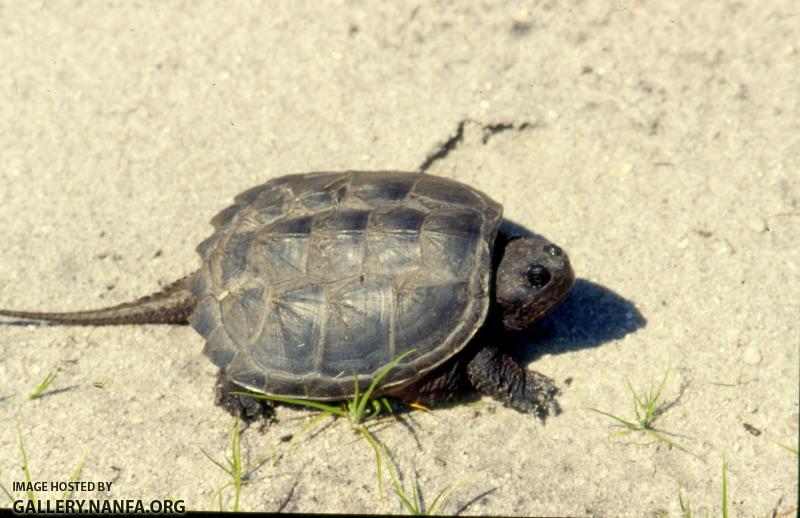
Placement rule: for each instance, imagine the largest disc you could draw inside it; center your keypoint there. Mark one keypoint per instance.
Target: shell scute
(360, 317)
(395, 220)
(234, 258)
(219, 348)
(341, 221)
(440, 192)
(420, 311)
(279, 258)
(242, 313)
(206, 317)
(243, 371)
(383, 187)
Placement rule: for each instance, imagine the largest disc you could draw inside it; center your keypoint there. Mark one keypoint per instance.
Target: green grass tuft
(646, 407)
(413, 504)
(357, 410)
(232, 466)
(354, 409)
(235, 468)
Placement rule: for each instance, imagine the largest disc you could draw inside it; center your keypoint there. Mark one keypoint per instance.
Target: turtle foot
(538, 396)
(496, 374)
(248, 408)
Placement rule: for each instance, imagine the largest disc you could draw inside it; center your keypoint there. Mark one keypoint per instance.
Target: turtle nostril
(554, 250)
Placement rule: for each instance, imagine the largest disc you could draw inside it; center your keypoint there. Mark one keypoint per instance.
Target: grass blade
(686, 507)
(661, 386)
(294, 401)
(411, 508)
(43, 385)
(637, 403)
(234, 468)
(398, 489)
(368, 436)
(353, 404)
(672, 443)
(218, 464)
(627, 424)
(218, 495)
(77, 472)
(296, 437)
(724, 488)
(9, 495)
(382, 374)
(27, 468)
(236, 464)
(442, 497)
(788, 448)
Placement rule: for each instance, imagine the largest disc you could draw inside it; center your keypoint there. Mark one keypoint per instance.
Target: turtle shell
(314, 280)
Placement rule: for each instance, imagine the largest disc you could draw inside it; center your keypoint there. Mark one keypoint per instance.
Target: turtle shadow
(590, 316)
(50, 393)
(26, 323)
(512, 228)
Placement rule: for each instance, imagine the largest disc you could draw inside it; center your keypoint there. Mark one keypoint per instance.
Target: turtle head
(533, 276)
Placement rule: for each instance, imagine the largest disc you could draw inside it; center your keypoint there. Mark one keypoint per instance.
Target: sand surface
(657, 142)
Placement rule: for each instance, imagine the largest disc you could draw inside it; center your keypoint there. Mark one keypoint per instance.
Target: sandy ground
(657, 142)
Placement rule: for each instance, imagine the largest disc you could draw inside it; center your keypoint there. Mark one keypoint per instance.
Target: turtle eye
(538, 275)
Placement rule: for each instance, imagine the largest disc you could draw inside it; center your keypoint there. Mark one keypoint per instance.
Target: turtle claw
(538, 396)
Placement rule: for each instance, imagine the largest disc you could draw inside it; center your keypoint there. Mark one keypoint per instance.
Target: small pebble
(751, 407)
(756, 224)
(751, 356)
(724, 248)
(522, 17)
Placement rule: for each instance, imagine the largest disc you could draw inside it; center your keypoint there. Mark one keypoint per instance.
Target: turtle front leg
(494, 373)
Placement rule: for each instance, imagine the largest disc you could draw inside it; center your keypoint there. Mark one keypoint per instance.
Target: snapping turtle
(314, 281)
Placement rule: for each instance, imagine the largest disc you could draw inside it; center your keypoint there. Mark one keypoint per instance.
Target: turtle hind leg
(248, 408)
(496, 374)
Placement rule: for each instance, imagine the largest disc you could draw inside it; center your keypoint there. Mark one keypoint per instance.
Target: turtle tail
(171, 305)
